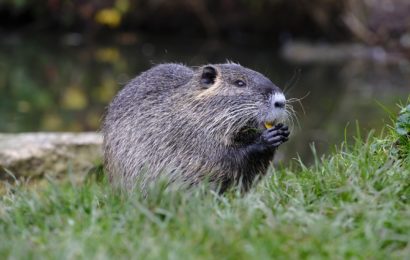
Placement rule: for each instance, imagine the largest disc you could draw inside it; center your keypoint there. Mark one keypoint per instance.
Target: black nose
(280, 104)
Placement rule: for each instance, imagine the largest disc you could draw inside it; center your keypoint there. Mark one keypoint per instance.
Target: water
(57, 84)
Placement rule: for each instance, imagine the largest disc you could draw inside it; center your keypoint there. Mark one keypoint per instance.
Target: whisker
(298, 100)
(293, 80)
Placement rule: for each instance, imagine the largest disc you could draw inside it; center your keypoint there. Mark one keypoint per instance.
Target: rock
(54, 154)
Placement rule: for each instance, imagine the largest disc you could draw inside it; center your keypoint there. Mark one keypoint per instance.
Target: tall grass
(354, 203)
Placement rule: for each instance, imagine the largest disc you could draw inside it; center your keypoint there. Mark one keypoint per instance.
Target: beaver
(218, 122)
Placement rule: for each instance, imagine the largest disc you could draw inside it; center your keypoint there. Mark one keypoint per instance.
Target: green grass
(354, 203)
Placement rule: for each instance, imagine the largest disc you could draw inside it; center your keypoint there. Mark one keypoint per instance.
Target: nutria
(221, 123)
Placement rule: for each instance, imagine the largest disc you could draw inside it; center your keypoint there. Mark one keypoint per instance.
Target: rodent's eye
(240, 83)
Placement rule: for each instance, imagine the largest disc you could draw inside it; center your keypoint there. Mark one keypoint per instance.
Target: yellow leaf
(74, 98)
(108, 16)
(107, 55)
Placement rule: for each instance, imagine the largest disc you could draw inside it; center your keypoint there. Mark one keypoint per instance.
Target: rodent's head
(240, 98)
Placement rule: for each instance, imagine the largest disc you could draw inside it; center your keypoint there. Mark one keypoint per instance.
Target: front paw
(275, 136)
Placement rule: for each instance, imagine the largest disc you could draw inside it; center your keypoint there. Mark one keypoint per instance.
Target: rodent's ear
(208, 76)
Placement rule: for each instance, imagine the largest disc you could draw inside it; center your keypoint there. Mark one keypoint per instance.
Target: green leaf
(403, 121)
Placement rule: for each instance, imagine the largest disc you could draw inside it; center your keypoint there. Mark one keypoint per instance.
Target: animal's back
(134, 114)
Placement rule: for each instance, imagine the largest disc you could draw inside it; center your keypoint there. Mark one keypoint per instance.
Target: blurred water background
(61, 62)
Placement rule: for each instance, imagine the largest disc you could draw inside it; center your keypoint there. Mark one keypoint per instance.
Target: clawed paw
(275, 136)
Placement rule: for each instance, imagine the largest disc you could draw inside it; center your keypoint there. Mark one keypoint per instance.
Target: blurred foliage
(380, 22)
(64, 81)
(55, 88)
(374, 22)
(46, 84)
